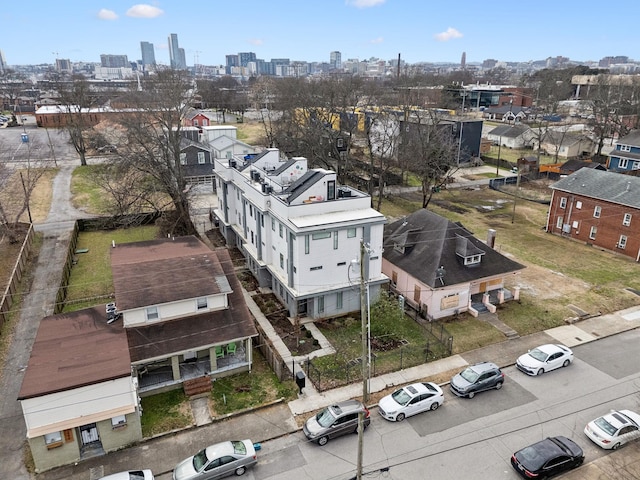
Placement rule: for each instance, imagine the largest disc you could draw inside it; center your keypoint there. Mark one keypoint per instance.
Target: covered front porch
(215, 361)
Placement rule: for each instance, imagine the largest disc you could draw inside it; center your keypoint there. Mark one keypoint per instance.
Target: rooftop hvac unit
(344, 192)
(268, 188)
(232, 163)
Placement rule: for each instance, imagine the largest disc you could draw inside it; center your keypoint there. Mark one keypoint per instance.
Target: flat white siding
(80, 402)
(168, 311)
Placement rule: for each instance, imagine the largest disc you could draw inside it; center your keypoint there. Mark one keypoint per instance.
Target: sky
(39, 31)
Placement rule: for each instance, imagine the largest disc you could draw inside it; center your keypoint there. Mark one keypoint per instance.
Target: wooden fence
(8, 297)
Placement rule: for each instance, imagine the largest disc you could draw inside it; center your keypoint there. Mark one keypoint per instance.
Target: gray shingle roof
(632, 138)
(422, 242)
(608, 186)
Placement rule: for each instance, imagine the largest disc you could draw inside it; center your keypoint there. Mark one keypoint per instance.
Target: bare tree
(76, 100)
(429, 145)
(151, 142)
(17, 184)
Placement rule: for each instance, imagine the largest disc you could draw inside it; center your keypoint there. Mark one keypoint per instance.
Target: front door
(89, 434)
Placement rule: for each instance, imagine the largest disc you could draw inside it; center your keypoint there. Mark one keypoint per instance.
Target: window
(195, 122)
(53, 440)
(183, 159)
(623, 163)
(320, 235)
(306, 244)
(321, 304)
(472, 260)
(251, 210)
(559, 222)
(351, 233)
(592, 232)
(339, 300)
(273, 225)
(281, 261)
(201, 303)
(152, 313)
(596, 211)
(622, 242)
(627, 220)
(316, 268)
(119, 421)
(578, 205)
(563, 202)
(416, 293)
(335, 240)
(201, 158)
(280, 229)
(625, 148)
(331, 190)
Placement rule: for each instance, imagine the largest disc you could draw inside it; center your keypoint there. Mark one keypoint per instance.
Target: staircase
(197, 386)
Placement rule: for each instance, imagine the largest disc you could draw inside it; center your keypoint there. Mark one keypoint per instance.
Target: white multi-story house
(300, 232)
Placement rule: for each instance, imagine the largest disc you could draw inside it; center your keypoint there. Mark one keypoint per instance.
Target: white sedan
(544, 359)
(614, 429)
(409, 400)
(130, 475)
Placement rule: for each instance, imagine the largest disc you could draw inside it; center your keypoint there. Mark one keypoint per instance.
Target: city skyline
(309, 31)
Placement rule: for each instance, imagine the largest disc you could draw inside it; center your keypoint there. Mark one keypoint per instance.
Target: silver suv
(477, 378)
(335, 420)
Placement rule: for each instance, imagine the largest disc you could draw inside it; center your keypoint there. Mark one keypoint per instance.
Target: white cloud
(256, 41)
(105, 14)
(144, 11)
(377, 40)
(364, 3)
(449, 34)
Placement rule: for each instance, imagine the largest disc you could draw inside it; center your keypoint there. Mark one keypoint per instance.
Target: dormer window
(472, 260)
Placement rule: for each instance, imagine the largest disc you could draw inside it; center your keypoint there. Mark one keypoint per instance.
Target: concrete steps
(197, 386)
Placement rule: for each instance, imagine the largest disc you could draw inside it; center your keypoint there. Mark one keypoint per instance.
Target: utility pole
(365, 356)
(515, 197)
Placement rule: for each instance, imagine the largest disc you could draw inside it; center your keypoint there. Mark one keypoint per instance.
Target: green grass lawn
(91, 281)
(251, 389)
(165, 412)
(86, 194)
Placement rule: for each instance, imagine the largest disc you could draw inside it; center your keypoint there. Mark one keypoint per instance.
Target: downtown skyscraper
(148, 55)
(176, 54)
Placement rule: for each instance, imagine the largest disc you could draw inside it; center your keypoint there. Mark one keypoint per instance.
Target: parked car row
(539, 460)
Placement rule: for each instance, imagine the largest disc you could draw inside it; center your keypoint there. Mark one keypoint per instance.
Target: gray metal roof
(608, 186)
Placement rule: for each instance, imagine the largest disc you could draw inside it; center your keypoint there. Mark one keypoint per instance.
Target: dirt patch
(294, 337)
(546, 284)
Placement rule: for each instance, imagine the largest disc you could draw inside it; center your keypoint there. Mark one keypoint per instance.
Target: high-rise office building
(245, 57)
(335, 60)
(232, 61)
(63, 65)
(148, 55)
(114, 61)
(176, 54)
(463, 61)
(3, 62)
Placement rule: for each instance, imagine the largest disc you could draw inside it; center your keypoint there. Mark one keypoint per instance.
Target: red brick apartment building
(598, 208)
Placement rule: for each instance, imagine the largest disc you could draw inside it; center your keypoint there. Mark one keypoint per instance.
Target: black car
(477, 378)
(547, 457)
